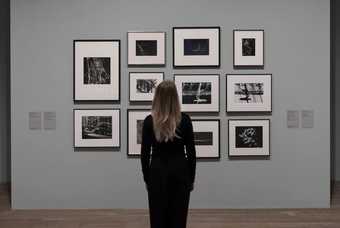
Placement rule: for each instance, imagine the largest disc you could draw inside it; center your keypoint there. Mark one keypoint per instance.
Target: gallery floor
(278, 218)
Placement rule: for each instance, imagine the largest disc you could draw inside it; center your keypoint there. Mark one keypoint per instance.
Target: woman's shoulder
(148, 118)
(185, 117)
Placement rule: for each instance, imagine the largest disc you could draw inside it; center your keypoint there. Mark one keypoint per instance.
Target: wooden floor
(287, 218)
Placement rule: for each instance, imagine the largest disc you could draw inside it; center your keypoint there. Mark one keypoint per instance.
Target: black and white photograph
(198, 92)
(146, 85)
(249, 93)
(146, 49)
(143, 85)
(196, 47)
(135, 119)
(96, 70)
(203, 138)
(207, 138)
(249, 48)
(139, 131)
(97, 128)
(248, 137)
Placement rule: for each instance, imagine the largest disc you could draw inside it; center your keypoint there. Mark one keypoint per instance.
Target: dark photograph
(248, 47)
(146, 47)
(196, 93)
(249, 137)
(97, 70)
(203, 138)
(139, 131)
(248, 93)
(146, 85)
(196, 46)
(96, 127)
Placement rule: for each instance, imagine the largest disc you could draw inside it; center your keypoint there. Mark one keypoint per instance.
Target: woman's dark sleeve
(146, 148)
(190, 149)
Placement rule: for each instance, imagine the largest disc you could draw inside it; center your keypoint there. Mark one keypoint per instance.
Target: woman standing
(169, 171)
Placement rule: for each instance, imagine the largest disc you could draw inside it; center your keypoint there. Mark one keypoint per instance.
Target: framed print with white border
(196, 47)
(248, 48)
(135, 119)
(249, 92)
(96, 128)
(198, 92)
(249, 137)
(96, 70)
(207, 138)
(146, 48)
(142, 85)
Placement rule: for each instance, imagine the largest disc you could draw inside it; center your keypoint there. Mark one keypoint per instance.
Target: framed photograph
(196, 47)
(198, 92)
(96, 70)
(96, 128)
(146, 48)
(248, 48)
(135, 119)
(249, 137)
(249, 93)
(207, 138)
(143, 85)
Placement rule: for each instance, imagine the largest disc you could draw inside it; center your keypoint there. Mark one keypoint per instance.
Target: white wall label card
(293, 119)
(34, 120)
(307, 118)
(50, 120)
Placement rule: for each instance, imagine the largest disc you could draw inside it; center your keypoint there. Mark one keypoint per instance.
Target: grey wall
(47, 173)
(336, 83)
(4, 91)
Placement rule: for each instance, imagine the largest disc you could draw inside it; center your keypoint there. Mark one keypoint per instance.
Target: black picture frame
(80, 101)
(142, 102)
(129, 110)
(249, 66)
(149, 65)
(219, 139)
(97, 147)
(218, 97)
(250, 156)
(192, 66)
(254, 112)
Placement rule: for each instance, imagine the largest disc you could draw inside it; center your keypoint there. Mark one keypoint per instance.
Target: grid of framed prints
(135, 122)
(146, 48)
(96, 128)
(97, 78)
(248, 48)
(143, 85)
(207, 138)
(249, 93)
(198, 92)
(249, 137)
(196, 46)
(96, 70)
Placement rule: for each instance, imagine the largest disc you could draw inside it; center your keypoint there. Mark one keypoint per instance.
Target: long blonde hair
(166, 111)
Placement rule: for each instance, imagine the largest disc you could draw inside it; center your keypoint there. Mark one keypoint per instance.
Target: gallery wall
(4, 92)
(48, 173)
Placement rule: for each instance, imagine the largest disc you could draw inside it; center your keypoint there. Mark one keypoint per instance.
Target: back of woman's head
(166, 111)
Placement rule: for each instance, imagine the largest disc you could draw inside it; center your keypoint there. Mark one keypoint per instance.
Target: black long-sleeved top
(184, 144)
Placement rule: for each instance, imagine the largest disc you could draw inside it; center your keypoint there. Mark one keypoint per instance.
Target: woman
(169, 173)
